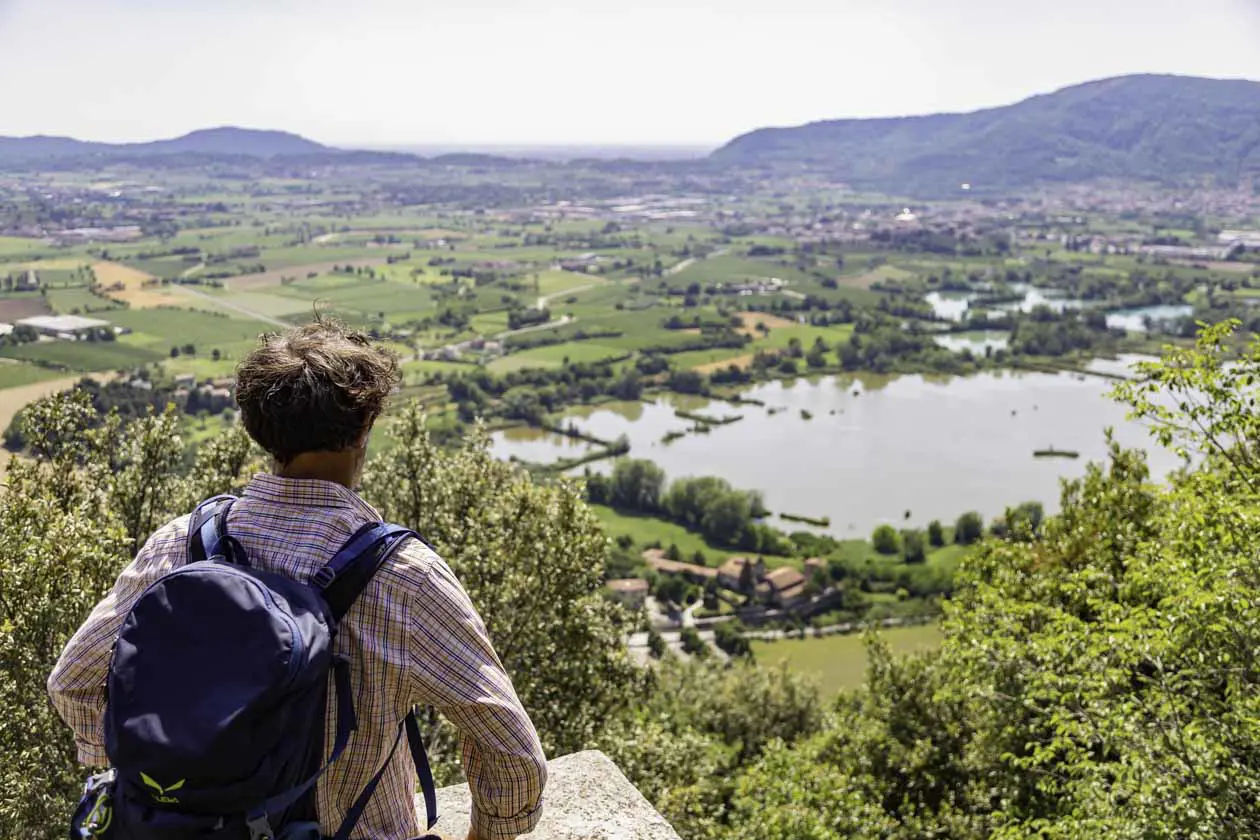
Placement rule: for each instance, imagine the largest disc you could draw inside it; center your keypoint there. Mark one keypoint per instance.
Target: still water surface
(877, 448)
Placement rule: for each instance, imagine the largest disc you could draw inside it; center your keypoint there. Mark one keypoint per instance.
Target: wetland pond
(873, 449)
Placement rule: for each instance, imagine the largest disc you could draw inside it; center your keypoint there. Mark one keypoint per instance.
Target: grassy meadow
(839, 662)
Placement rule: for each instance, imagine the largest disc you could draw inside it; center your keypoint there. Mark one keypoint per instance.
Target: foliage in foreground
(1100, 680)
(531, 556)
(1097, 680)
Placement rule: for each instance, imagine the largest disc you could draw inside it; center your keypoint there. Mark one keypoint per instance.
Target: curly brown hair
(314, 388)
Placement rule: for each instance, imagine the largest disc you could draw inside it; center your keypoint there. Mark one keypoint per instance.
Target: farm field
(288, 268)
(553, 283)
(839, 662)
(136, 291)
(161, 329)
(16, 375)
(82, 355)
(18, 305)
(556, 355)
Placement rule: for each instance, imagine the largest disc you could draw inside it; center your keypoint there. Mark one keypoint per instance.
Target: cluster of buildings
(650, 208)
(786, 588)
(215, 396)
(1217, 253)
(62, 327)
(484, 348)
(1249, 239)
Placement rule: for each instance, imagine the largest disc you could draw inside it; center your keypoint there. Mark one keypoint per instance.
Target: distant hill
(1162, 128)
(212, 141)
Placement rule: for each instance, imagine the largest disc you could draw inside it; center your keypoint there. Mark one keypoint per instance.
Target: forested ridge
(1098, 677)
(1169, 129)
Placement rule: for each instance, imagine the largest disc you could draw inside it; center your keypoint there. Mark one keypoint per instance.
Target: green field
(730, 268)
(365, 298)
(555, 355)
(839, 662)
(645, 530)
(78, 301)
(558, 282)
(15, 374)
(83, 355)
(163, 328)
(274, 306)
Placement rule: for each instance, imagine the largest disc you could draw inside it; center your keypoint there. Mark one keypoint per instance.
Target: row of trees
(707, 505)
(912, 544)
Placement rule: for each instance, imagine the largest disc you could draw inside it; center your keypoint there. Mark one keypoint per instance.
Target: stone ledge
(587, 798)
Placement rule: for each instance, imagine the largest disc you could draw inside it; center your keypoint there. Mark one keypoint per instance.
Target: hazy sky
(396, 72)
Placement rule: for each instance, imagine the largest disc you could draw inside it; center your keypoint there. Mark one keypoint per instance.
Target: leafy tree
(936, 533)
(692, 643)
(729, 637)
(70, 518)
(656, 644)
(885, 540)
(637, 485)
(1024, 521)
(968, 529)
(1097, 679)
(531, 557)
(914, 546)
(727, 518)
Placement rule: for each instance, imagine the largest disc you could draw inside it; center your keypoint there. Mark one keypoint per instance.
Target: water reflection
(1136, 320)
(526, 443)
(976, 342)
(864, 450)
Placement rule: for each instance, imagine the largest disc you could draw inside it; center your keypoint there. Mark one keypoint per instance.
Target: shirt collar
(308, 492)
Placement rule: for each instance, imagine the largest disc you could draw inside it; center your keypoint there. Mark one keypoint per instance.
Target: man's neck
(336, 467)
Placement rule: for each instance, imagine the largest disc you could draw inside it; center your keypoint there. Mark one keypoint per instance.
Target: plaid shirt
(413, 637)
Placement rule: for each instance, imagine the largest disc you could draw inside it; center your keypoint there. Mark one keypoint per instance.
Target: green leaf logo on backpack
(163, 793)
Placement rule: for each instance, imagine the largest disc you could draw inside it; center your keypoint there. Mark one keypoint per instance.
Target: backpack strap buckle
(348, 573)
(323, 577)
(260, 828)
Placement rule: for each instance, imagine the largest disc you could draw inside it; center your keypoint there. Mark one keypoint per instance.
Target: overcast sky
(398, 72)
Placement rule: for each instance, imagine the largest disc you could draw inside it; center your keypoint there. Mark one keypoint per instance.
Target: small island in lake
(1056, 453)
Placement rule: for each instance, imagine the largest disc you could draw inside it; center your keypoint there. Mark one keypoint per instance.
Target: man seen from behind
(310, 398)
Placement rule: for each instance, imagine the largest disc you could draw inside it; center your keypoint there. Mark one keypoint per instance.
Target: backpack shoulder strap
(207, 527)
(421, 761)
(342, 580)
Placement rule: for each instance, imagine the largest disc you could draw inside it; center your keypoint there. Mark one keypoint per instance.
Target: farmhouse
(784, 588)
(731, 573)
(657, 561)
(62, 326)
(632, 591)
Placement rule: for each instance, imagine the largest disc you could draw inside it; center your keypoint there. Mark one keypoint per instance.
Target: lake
(954, 306)
(878, 448)
(1134, 320)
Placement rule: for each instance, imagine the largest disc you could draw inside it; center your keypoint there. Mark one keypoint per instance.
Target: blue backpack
(217, 695)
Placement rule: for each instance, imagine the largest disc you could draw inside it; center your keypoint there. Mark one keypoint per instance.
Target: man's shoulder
(412, 564)
(171, 536)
